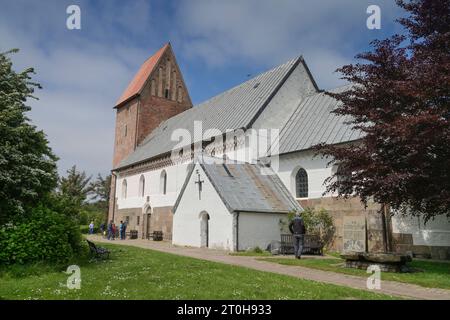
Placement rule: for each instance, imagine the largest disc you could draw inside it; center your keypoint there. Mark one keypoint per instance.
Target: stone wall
(403, 243)
(338, 208)
(161, 219)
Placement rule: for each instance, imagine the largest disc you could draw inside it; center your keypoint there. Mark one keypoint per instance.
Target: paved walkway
(387, 287)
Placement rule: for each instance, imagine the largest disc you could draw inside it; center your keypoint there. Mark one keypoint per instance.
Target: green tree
(400, 100)
(75, 186)
(27, 164)
(101, 189)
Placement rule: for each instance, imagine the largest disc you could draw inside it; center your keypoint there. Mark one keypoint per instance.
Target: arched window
(301, 184)
(163, 182)
(124, 189)
(141, 186)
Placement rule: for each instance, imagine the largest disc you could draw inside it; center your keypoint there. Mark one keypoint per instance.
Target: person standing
(125, 230)
(91, 227)
(297, 228)
(114, 231)
(121, 230)
(110, 230)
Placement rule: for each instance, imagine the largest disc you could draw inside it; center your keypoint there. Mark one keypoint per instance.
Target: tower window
(125, 131)
(166, 93)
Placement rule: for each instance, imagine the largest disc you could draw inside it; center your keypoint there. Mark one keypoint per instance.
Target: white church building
(159, 185)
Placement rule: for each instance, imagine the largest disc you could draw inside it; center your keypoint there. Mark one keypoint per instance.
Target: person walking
(91, 227)
(298, 229)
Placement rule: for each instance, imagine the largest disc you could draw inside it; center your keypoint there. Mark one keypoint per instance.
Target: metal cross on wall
(199, 182)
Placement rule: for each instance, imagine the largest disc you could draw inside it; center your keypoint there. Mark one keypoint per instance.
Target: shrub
(316, 222)
(44, 236)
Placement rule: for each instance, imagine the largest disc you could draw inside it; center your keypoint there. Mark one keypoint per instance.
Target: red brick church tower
(157, 92)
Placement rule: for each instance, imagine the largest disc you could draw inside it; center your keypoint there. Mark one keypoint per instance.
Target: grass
(135, 273)
(434, 275)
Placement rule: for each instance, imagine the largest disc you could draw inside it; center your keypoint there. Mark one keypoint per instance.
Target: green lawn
(434, 275)
(134, 273)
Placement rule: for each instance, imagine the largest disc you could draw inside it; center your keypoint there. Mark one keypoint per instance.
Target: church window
(301, 183)
(166, 93)
(163, 182)
(124, 189)
(235, 142)
(125, 132)
(138, 220)
(141, 186)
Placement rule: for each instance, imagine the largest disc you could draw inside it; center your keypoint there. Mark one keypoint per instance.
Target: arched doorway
(146, 225)
(204, 230)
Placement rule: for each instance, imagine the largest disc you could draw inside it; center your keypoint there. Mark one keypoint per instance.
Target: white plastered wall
(176, 175)
(315, 167)
(434, 233)
(187, 218)
(258, 229)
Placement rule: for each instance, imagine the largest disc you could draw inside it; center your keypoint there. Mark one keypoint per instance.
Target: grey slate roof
(233, 109)
(313, 123)
(243, 187)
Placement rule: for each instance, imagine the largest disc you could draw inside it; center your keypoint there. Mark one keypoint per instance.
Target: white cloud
(272, 31)
(84, 72)
(81, 80)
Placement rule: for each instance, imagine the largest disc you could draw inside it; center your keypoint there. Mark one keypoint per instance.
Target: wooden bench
(287, 244)
(311, 244)
(155, 236)
(98, 252)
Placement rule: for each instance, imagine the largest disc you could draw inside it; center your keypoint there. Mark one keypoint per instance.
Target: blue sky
(217, 44)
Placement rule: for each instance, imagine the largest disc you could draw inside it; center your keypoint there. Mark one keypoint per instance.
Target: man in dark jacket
(297, 228)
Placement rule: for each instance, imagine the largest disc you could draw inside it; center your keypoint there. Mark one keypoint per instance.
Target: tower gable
(156, 93)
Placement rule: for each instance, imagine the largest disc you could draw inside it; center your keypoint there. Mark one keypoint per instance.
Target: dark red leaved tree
(400, 100)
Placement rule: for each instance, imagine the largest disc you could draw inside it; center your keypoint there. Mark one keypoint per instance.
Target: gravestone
(354, 236)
